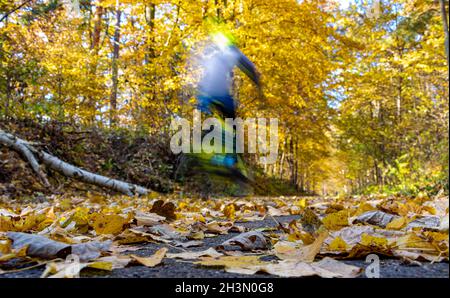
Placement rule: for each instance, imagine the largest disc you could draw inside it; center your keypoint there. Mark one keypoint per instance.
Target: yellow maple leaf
(109, 224)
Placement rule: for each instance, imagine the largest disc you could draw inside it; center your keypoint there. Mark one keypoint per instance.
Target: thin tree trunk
(445, 23)
(95, 41)
(115, 69)
(94, 47)
(282, 164)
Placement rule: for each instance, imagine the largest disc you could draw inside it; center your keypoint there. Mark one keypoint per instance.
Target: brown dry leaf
(218, 228)
(252, 240)
(130, 237)
(166, 209)
(148, 219)
(306, 253)
(153, 260)
(192, 255)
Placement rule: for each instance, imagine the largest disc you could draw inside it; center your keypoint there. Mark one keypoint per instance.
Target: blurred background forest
(360, 87)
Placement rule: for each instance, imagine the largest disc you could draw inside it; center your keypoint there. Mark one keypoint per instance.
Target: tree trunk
(445, 23)
(95, 41)
(115, 69)
(94, 47)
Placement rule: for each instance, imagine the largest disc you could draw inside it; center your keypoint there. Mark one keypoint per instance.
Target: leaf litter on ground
(102, 230)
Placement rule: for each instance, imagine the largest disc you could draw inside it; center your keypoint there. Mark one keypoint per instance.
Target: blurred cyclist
(214, 89)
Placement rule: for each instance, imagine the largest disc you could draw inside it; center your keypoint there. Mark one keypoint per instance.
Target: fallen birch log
(32, 154)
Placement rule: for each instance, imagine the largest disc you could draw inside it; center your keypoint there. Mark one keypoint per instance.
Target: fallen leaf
(419, 256)
(412, 241)
(306, 253)
(275, 212)
(231, 261)
(191, 255)
(373, 241)
(153, 260)
(69, 269)
(341, 269)
(117, 262)
(377, 218)
(397, 224)
(229, 211)
(164, 209)
(40, 246)
(7, 213)
(309, 220)
(166, 231)
(336, 220)
(252, 240)
(444, 224)
(193, 243)
(328, 268)
(148, 219)
(429, 222)
(90, 250)
(130, 237)
(218, 228)
(338, 244)
(109, 224)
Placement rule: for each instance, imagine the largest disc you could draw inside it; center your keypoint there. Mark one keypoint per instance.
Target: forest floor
(172, 268)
